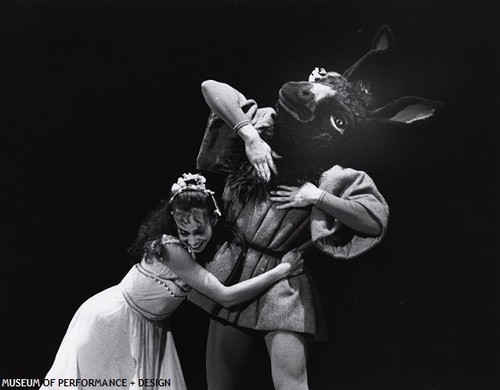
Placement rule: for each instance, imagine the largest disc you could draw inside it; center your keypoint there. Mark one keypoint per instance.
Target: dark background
(101, 110)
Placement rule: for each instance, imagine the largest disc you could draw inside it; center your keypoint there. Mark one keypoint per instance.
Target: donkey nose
(304, 93)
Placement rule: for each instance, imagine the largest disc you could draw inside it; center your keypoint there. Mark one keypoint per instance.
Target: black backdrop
(101, 110)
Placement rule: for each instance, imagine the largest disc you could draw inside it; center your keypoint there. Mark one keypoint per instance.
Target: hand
(303, 196)
(260, 155)
(293, 262)
(258, 152)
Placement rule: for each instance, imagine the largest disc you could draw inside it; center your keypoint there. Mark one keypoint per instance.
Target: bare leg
(288, 353)
(228, 349)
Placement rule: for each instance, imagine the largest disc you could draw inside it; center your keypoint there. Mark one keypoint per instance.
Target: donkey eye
(339, 123)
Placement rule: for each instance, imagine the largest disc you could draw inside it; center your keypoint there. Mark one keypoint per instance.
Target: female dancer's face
(195, 229)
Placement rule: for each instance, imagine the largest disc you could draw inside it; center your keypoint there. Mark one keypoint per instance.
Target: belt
(235, 275)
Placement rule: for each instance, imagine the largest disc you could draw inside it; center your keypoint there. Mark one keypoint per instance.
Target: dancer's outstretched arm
(183, 265)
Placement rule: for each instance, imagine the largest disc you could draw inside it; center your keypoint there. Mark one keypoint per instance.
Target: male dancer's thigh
(288, 354)
(227, 358)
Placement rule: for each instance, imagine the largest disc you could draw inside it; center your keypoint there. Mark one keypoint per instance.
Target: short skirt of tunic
(292, 304)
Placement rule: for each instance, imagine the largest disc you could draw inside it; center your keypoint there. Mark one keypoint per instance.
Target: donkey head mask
(316, 115)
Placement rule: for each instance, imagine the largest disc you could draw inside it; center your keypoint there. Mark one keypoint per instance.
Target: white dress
(120, 338)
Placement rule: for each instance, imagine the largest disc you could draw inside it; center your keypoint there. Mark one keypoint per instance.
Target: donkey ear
(383, 40)
(381, 43)
(408, 109)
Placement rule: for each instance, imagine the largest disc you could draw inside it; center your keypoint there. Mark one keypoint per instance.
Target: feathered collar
(245, 184)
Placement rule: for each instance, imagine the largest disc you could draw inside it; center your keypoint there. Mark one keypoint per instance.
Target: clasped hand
(295, 261)
(260, 155)
(289, 196)
(258, 152)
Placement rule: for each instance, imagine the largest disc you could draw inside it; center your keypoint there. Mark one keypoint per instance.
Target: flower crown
(193, 182)
(320, 75)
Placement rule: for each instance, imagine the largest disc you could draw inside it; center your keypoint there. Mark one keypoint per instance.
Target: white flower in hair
(189, 181)
(320, 75)
(317, 75)
(175, 187)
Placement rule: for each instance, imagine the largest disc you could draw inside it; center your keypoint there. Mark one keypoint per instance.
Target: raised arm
(182, 264)
(226, 102)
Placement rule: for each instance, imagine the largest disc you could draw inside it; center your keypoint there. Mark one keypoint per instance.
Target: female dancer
(121, 334)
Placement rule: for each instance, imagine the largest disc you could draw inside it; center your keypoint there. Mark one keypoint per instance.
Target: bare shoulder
(175, 250)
